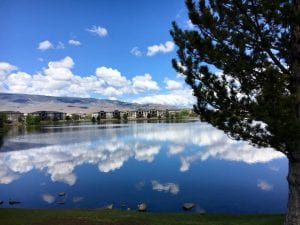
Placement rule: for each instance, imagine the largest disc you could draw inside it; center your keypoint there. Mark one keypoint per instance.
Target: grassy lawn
(115, 217)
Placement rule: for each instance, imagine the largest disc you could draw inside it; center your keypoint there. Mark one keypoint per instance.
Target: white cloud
(48, 198)
(264, 185)
(60, 45)
(144, 83)
(58, 79)
(6, 68)
(74, 42)
(45, 45)
(97, 30)
(135, 51)
(190, 25)
(163, 48)
(182, 98)
(172, 84)
(111, 91)
(166, 187)
(112, 77)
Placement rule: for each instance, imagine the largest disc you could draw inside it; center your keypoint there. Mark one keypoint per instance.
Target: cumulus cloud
(97, 30)
(135, 51)
(58, 79)
(144, 83)
(166, 187)
(48, 198)
(6, 68)
(45, 45)
(112, 76)
(161, 48)
(183, 98)
(74, 42)
(264, 185)
(173, 84)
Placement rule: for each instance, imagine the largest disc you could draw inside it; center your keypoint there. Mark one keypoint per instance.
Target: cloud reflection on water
(110, 150)
(165, 187)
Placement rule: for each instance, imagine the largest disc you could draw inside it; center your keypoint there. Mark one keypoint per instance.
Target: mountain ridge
(26, 103)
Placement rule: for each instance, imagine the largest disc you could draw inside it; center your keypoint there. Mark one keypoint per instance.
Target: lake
(161, 164)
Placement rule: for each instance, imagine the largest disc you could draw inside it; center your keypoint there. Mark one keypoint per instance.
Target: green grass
(115, 217)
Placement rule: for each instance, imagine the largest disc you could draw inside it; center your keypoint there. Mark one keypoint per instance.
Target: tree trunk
(293, 178)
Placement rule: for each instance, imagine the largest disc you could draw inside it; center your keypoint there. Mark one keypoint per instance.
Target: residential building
(49, 115)
(13, 116)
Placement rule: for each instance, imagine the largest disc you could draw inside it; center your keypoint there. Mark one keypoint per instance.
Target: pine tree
(242, 60)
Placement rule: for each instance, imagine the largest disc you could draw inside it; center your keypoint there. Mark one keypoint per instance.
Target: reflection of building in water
(49, 115)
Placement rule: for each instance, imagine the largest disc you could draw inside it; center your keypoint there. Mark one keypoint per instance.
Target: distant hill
(29, 103)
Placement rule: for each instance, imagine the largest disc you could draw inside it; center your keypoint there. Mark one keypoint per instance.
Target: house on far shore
(49, 115)
(116, 114)
(140, 114)
(100, 115)
(153, 113)
(13, 116)
(135, 114)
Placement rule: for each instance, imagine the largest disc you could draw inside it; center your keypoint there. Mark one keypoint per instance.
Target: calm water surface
(161, 164)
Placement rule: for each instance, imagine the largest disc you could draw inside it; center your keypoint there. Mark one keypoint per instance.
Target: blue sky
(103, 49)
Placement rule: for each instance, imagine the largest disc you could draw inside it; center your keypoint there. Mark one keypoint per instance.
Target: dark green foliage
(238, 60)
(20, 119)
(125, 116)
(167, 115)
(3, 118)
(182, 114)
(98, 118)
(33, 120)
(75, 117)
(119, 116)
(68, 118)
(93, 119)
